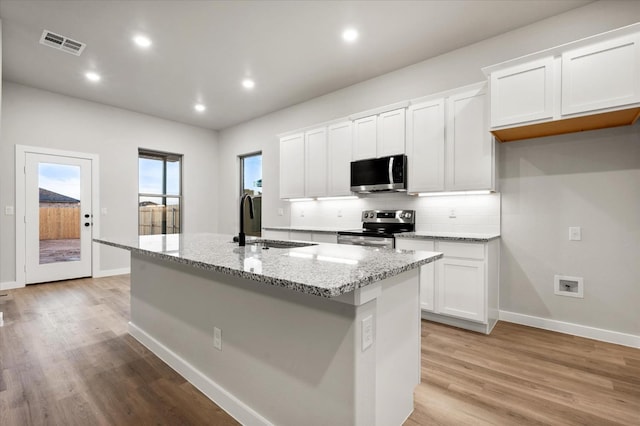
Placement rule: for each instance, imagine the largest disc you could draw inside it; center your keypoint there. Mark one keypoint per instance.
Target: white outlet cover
(8, 210)
(367, 332)
(575, 233)
(217, 338)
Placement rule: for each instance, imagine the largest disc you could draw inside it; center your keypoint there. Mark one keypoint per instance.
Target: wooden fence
(59, 223)
(150, 219)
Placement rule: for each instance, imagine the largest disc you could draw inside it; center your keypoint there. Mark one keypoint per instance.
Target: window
(159, 192)
(251, 183)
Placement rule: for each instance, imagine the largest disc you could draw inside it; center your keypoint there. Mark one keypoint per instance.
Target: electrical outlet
(339, 213)
(367, 332)
(104, 211)
(301, 213)
(217, 338)
(452, 214)
(8, 210)
(575, 233)
(280, 212)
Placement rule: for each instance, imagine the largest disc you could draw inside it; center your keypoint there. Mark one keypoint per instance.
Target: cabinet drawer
(300, 236)
(463, 250)
(410, 244)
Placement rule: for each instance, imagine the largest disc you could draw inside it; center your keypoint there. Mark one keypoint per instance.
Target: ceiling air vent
(62, 43)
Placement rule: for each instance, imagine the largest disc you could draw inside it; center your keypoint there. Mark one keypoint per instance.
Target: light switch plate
(575, 233)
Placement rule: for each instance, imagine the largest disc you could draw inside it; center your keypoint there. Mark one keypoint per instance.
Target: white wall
(455, 69)
(39, 118)
(591, 180)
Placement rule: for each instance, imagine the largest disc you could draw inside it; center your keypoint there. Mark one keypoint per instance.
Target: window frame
(164, 157)
(241, 158)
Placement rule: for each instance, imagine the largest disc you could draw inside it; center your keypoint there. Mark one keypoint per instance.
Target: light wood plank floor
(66, 359)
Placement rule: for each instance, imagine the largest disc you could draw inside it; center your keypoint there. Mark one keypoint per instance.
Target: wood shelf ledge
(604, 120)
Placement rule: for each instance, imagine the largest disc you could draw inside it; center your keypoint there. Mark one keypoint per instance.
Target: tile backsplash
(456, 213)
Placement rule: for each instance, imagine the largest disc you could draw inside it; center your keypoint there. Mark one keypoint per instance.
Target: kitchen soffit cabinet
(316, 163)
(589, 84)
(461, 289)
(448, 145)
(379, 135)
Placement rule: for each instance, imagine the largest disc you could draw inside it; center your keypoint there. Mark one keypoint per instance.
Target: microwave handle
(391, 170)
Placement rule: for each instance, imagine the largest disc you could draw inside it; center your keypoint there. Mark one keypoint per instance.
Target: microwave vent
(61, 42)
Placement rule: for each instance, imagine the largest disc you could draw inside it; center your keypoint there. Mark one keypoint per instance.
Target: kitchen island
(315, 335)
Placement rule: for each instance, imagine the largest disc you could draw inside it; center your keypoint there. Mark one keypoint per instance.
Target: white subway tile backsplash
(474, 213)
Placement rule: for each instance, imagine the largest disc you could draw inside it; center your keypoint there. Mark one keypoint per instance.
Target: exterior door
(58, 218)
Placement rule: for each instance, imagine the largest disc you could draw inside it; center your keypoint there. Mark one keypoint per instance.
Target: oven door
(368, 241)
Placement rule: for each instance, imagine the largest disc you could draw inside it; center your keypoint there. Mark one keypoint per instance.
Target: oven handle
(366, 243)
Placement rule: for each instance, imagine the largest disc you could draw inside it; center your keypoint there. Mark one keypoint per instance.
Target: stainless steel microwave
(379, 174)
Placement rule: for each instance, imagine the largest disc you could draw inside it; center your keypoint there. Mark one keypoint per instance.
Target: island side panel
(287, 358)
(398, 350)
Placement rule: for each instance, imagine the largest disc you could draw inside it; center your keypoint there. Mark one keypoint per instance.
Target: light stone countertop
(449, 236)
(326, 270)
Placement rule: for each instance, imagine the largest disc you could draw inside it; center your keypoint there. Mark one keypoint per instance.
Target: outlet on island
(217, 338)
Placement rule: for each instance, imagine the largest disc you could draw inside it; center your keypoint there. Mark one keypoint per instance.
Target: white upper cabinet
(470, 161)
(523, 93)
(589, 84)
(391, 128)
(292, 166)
(339, 159)
(365, 133)
(425, 146)
(315, 164)
(602, 75)
(379, 135)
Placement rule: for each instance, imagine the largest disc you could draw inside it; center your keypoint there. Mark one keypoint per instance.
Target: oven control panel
(389, 216)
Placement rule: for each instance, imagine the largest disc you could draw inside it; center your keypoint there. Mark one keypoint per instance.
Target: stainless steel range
(379, 227)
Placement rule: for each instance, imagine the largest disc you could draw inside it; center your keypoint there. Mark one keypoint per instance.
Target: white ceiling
(203, 49)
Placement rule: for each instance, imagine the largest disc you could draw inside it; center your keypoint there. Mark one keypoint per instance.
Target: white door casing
(28, 269)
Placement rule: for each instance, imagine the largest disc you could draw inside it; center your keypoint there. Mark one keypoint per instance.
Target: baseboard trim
(111, 272)
(10, 285)
(573, 329)
(457, 322)
(225, 400)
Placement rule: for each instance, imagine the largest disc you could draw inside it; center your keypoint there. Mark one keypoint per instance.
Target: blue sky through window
(60, 178)
(253, 173)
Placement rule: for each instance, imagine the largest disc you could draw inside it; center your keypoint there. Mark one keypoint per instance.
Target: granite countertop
(304, 229)
(450, 236)
(326, 270)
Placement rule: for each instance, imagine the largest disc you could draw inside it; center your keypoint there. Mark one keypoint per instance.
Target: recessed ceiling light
(350, 35)
(199, 107)
(142, 41)
(92, 76)
(247, 83)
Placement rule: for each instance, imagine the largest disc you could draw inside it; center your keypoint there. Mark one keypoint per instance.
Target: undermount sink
(279, 244)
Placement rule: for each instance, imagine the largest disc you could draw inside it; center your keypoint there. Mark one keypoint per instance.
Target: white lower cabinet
(273, 234)
(285, 235)
(427, 272)
(324, 237)
(461, 289)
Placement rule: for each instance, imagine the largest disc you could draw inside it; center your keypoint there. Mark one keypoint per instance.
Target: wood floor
(66, 359)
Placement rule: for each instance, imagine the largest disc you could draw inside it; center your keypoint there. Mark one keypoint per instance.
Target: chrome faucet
(241, 236)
